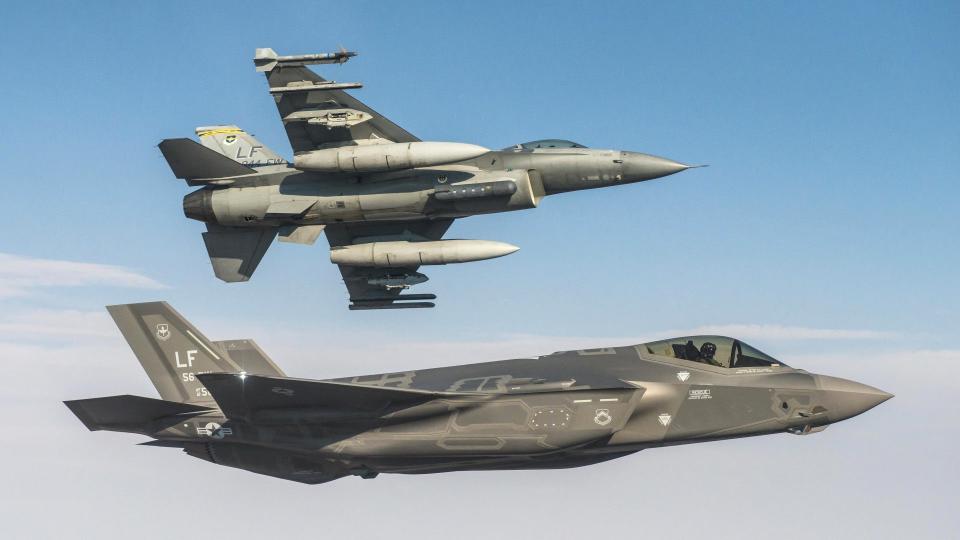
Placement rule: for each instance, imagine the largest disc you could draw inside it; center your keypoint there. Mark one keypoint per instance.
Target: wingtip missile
(267, 59)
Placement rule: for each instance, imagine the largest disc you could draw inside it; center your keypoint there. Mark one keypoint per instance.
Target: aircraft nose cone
(637, 166)
(846, 399)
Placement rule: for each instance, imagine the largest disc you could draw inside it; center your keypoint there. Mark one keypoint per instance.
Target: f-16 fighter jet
(384, 197)
(226, 402)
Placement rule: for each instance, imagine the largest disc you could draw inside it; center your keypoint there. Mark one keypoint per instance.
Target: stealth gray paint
(226, 402)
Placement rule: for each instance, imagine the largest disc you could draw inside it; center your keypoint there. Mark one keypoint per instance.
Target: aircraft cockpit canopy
(546, 143)
(717, 351)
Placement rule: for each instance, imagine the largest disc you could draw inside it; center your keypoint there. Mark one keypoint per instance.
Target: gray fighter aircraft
(384, 197)
(228, 403)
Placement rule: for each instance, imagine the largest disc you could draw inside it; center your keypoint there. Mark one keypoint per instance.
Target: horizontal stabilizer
(243, 397)
(235, 252)
(129, 413)
(191, 160)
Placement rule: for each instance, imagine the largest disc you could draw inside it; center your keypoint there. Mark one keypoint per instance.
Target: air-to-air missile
(227, 402)
(267, 59)
(363, 179)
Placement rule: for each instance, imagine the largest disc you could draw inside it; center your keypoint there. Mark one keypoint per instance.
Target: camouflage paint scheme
(228, 403)
(250, 194)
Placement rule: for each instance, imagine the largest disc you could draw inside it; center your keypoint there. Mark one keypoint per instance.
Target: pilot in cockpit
(708, 353)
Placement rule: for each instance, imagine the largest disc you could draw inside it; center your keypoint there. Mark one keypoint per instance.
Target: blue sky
(825, 228)
(830, 130)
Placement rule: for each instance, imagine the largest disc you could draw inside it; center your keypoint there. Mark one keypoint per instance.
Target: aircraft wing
(258, 398)
(317, 112)
(380, 288)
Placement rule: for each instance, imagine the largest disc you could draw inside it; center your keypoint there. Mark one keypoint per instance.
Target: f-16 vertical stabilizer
(238, 145)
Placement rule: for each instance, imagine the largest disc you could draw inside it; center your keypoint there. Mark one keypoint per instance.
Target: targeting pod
(401, 281)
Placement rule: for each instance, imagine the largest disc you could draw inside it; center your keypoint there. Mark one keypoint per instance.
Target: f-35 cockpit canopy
(545, 143)
(717, 351)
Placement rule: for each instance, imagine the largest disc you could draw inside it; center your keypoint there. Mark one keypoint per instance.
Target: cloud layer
(780, 332)
(38, 324)
(58, 462)
(21, 275)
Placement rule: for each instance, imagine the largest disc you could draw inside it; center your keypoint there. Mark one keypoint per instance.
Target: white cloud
(351, 354)
(293, 345)
(43, 443)
(360, 353)
(780, 332)
(19, 275)
(41, 323)
(51, 355)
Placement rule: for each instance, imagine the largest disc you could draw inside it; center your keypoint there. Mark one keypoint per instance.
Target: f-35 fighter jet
(226, 402)
(384, 197)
